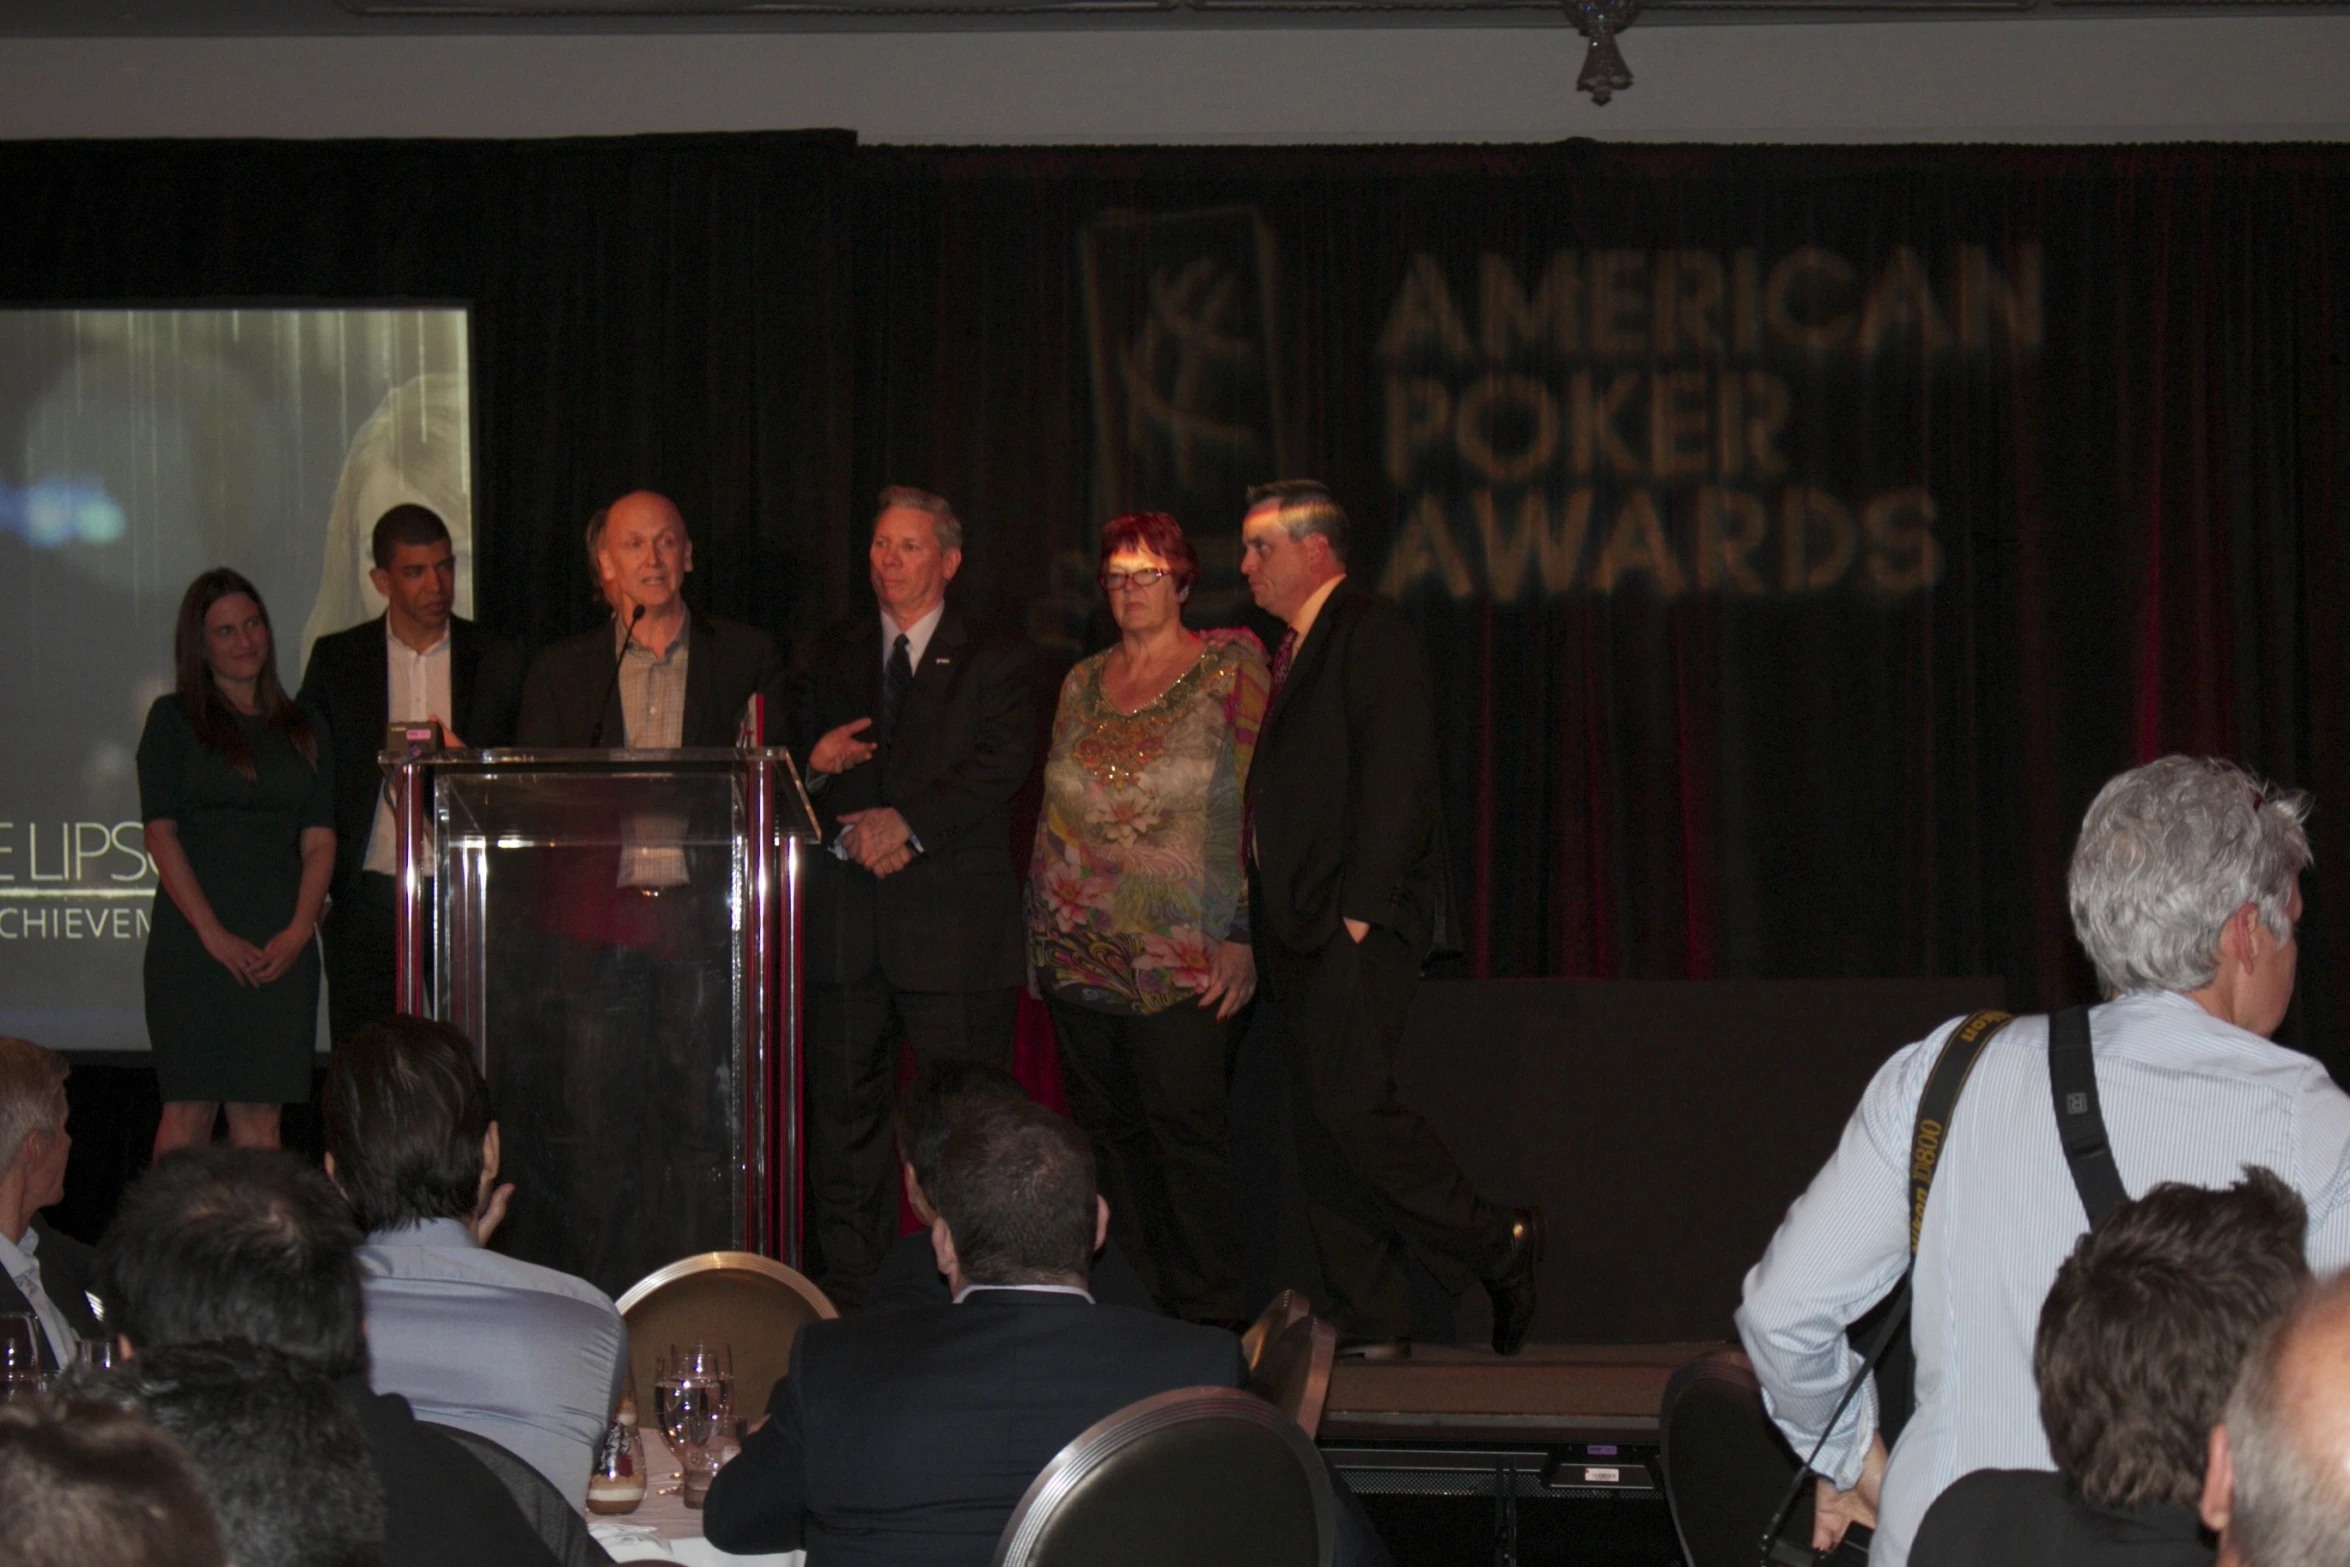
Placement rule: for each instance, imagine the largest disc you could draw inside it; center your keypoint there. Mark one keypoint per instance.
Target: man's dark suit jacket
(1342, 790)
(442, 1507)
(728, 662)
(965, 741)
(2030, 1518)
(905, 1438)
(66, 1266)
(348, 683)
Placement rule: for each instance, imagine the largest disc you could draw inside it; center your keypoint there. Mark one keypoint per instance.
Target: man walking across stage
(415, 661)
(927, 729)
(1347, 881)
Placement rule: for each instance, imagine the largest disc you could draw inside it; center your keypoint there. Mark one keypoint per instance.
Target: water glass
(99, 1354)
(20, 1355)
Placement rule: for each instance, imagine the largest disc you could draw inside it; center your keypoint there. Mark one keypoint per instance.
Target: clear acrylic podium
(617, 932)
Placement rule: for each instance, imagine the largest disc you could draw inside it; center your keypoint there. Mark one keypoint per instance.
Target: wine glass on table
(697, 1425)
(20, 1355)
(715, 1366)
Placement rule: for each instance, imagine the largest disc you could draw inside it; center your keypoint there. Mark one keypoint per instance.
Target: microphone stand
(596, 741)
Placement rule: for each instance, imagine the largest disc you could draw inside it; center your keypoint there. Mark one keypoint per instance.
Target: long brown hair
(209, 713)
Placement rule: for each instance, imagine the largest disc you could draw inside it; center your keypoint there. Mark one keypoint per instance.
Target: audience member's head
(290, 1477)
(2278, 1489)
(1015, 1197)
(89, 1485)
(929, 1108)
(2144, 1329)
(2181, 862)
(410, 1135)
(33, 1141)
(236, 1243)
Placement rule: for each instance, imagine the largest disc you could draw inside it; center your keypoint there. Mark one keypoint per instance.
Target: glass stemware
(20, 1355)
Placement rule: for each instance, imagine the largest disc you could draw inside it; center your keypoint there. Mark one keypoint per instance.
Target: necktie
(894, 682)
(1281, 657)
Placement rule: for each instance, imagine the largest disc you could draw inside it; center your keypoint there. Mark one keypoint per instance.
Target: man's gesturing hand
(840, 749)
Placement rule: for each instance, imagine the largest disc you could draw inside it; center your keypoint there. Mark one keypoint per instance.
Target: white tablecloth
(664, 1529)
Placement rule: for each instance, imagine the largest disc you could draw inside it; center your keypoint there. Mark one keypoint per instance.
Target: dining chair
(1201, 1474)
(1293, 1374)
(752, 1304)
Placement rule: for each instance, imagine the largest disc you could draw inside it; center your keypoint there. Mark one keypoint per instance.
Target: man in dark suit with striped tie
(1347, 888)
(916, 727)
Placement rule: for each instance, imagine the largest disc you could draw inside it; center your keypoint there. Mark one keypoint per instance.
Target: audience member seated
(529, 1357)
(88, 1485)
(250, 1243)
(2140, 1339)
(283, 1464)
(2277, 1492)
(926, 1112)
(905, 1438)
(41, 1271)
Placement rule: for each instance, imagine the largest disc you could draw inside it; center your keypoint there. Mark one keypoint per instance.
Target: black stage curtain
(1800, 534)
(662, 311)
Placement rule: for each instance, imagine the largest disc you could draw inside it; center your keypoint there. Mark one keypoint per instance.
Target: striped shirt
(2186, 1098)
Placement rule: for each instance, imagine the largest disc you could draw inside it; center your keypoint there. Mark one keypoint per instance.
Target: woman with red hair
(1138, 912)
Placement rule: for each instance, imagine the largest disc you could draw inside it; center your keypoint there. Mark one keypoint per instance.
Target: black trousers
(1380, 1186)
(360, 972)
(1150, 1093)
(852, 1052)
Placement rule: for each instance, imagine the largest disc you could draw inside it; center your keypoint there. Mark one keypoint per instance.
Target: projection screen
(139, 447)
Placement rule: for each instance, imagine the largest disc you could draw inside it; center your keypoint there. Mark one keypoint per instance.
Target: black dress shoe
(1374, 1348)
(1512, 1282)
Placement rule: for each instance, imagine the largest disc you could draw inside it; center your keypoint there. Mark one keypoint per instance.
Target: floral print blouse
(1138, 873)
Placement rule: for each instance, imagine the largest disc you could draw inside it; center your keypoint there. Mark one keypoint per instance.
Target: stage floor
(1546, 1393)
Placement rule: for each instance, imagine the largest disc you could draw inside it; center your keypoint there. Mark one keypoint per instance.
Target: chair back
(752, 1303)
(1198, 1476)
(553, 1516)
(1287, 1307)
(1726, 1465)
(1294, 1373)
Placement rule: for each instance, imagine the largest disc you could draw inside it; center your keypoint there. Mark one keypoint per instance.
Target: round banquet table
(664, 1529)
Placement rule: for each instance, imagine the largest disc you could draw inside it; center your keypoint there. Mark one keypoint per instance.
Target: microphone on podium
(596, 741)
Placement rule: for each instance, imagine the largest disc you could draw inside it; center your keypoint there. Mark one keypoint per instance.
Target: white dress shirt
(917, 635)
(2186, 1098)
(18, 1258)
(417, 688)
(969, 1290)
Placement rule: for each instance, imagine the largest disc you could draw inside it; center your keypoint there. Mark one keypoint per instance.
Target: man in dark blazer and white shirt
(905, 1438)
(1348, 893)
(417, 660)
(42, 1271)
(921, 727)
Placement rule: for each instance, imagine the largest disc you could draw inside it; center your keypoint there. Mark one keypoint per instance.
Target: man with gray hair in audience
(2184, 890)
(41, 1271)
(2277, 1487)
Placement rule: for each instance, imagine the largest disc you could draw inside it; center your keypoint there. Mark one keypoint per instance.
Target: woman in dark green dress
(236, 787)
